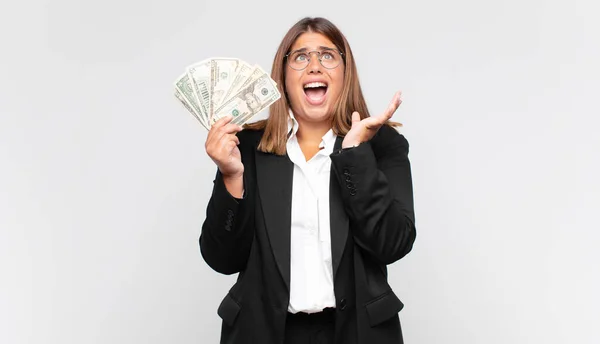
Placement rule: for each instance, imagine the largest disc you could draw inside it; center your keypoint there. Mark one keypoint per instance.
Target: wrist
(233, 176)
(350, 144)
(234, 184)
(347, 147)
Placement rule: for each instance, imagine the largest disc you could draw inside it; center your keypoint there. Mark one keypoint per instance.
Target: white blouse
(311, 272)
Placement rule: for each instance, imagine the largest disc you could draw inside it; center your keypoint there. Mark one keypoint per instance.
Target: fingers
(222, 139)
(394, 104)
(222, 121)
(221, 128)
(220, 151)
(226, 144)
(228, 138)
(374, 122)
(377, 121)
(216, 127)
(232, 144)
(226, 130)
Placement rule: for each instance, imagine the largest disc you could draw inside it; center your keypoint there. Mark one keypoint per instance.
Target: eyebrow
(321, 47)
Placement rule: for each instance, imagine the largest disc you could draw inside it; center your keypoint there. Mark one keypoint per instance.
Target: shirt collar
(327, 141)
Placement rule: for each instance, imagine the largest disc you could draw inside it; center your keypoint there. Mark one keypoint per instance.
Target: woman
(310, 205)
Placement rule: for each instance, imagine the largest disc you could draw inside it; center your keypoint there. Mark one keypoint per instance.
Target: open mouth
(315, 92)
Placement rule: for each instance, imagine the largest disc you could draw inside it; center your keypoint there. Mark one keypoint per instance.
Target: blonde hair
(351, 98)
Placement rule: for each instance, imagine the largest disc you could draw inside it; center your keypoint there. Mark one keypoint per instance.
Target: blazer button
(342, 304)
(230, 212)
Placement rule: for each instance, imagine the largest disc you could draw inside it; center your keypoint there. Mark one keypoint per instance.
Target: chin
(312, 113)
(317, 115)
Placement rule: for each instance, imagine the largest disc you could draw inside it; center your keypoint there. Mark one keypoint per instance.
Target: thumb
(355, 117)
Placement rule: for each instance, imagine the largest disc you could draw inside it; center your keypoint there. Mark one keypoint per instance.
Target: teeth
(315, 84)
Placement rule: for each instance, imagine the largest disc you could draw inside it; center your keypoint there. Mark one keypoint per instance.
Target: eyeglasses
(300, 59)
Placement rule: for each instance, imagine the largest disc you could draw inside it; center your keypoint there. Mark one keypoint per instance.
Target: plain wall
(104, 179)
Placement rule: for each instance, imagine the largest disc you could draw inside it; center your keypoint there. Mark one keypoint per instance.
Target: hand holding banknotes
(222, 147)
(223, 94)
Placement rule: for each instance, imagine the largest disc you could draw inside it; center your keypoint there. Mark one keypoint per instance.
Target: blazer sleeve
(228, 230)
(378, 196)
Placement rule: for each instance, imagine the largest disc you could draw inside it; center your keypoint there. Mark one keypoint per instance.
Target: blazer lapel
(338, 219)
(274, 176)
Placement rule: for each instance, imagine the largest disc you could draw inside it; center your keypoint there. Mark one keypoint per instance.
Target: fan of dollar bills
(217, 87)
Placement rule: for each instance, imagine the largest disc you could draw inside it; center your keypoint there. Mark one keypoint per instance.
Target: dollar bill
(185, 93)
(215, 87)
(250, 100)
(256, 74)
(199, 74)
(222, 74)
(186, 104)
(243, 73)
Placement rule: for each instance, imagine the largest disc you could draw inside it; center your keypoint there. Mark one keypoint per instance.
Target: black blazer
(372, 225)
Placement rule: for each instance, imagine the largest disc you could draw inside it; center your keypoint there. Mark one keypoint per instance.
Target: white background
(104, 179)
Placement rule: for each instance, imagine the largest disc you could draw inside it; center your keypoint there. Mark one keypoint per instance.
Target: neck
(310, 135)
(312, 132)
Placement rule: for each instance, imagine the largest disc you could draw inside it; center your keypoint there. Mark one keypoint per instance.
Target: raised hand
(364, 130)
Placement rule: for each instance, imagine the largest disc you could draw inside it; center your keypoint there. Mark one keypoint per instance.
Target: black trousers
(315, 328)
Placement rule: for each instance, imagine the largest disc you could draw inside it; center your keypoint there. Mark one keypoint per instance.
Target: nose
(314, 65)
